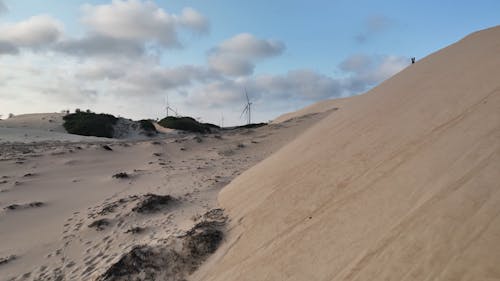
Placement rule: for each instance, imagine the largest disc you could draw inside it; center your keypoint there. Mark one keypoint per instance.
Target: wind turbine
(248, 109)
(169, 108)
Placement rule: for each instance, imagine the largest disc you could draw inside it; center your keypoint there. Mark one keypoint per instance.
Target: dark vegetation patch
(174, 260)
(111, 206)
(153, 203)
(202, 240)
(24, 206)
(187, 124)
(148, 127)
(106, 147)
(100, 224)
(135, 230)
(5, 260)
(121, 175)
(90, 124)
(249, 126)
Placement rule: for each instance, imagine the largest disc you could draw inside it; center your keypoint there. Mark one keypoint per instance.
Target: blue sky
(286, 53)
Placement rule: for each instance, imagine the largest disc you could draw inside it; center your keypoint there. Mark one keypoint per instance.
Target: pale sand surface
(42, 127)
(41, 121)
(38, 127)
(401, 183)
(56, 189)
(319, 107)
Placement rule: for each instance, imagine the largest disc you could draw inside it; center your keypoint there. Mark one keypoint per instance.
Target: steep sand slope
(401, 183)
(316, 108)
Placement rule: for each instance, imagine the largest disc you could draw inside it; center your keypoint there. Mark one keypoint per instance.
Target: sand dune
(43, 127)
(87, 210)
(401, 183)
(42, 121)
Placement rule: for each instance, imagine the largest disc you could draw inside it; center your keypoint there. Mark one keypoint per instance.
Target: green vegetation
(90, 124)
(250, 126)
(187, 124)
(148, 127)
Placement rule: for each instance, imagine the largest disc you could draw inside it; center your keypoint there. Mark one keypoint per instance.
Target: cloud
(249, 46)
(141, 21)
(373, 25)
(366, 71)
(192, 19)
(360, 72)
(45, 79)
(237, 55)
(34, 32)
(378, 23)
(153, 81)
(99, 45)
(356, 63)
(8, 48)
(231, 65)
(300, 84)
(3, 7)
(141, 77)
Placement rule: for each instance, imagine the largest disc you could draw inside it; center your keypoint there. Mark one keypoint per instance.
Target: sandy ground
(38, 127)
(401, 183)
(51, 122)
(63, 216)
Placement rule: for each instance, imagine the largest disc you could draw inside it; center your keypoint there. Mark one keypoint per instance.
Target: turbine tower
(248, 109)
(167, 108)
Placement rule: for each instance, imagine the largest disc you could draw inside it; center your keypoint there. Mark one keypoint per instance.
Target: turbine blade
(244, 111)
(246, 94)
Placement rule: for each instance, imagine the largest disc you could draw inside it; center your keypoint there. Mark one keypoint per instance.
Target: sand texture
(401, 183)
(122, 209)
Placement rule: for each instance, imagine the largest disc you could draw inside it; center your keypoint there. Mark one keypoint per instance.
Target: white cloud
(119, 85)
(149, 80)
(98, 45)
(142, 76)
(295, 85)
(3, 7)
(366, 71)
(112, 66)
(8, 48)
(356, 63)
(360, 73)
(249, 46)
(142, 21)
(34, 32)
(237, 55)
(373, 25)
(192, 19)
(231, 65)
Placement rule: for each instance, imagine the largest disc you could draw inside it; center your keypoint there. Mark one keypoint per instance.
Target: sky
(125, 57)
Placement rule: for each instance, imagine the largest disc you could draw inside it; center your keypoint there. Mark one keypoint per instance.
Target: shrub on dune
(148, 127)
(90, 124)
(186, 124)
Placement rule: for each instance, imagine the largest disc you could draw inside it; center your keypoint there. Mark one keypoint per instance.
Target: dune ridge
(400, 183)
